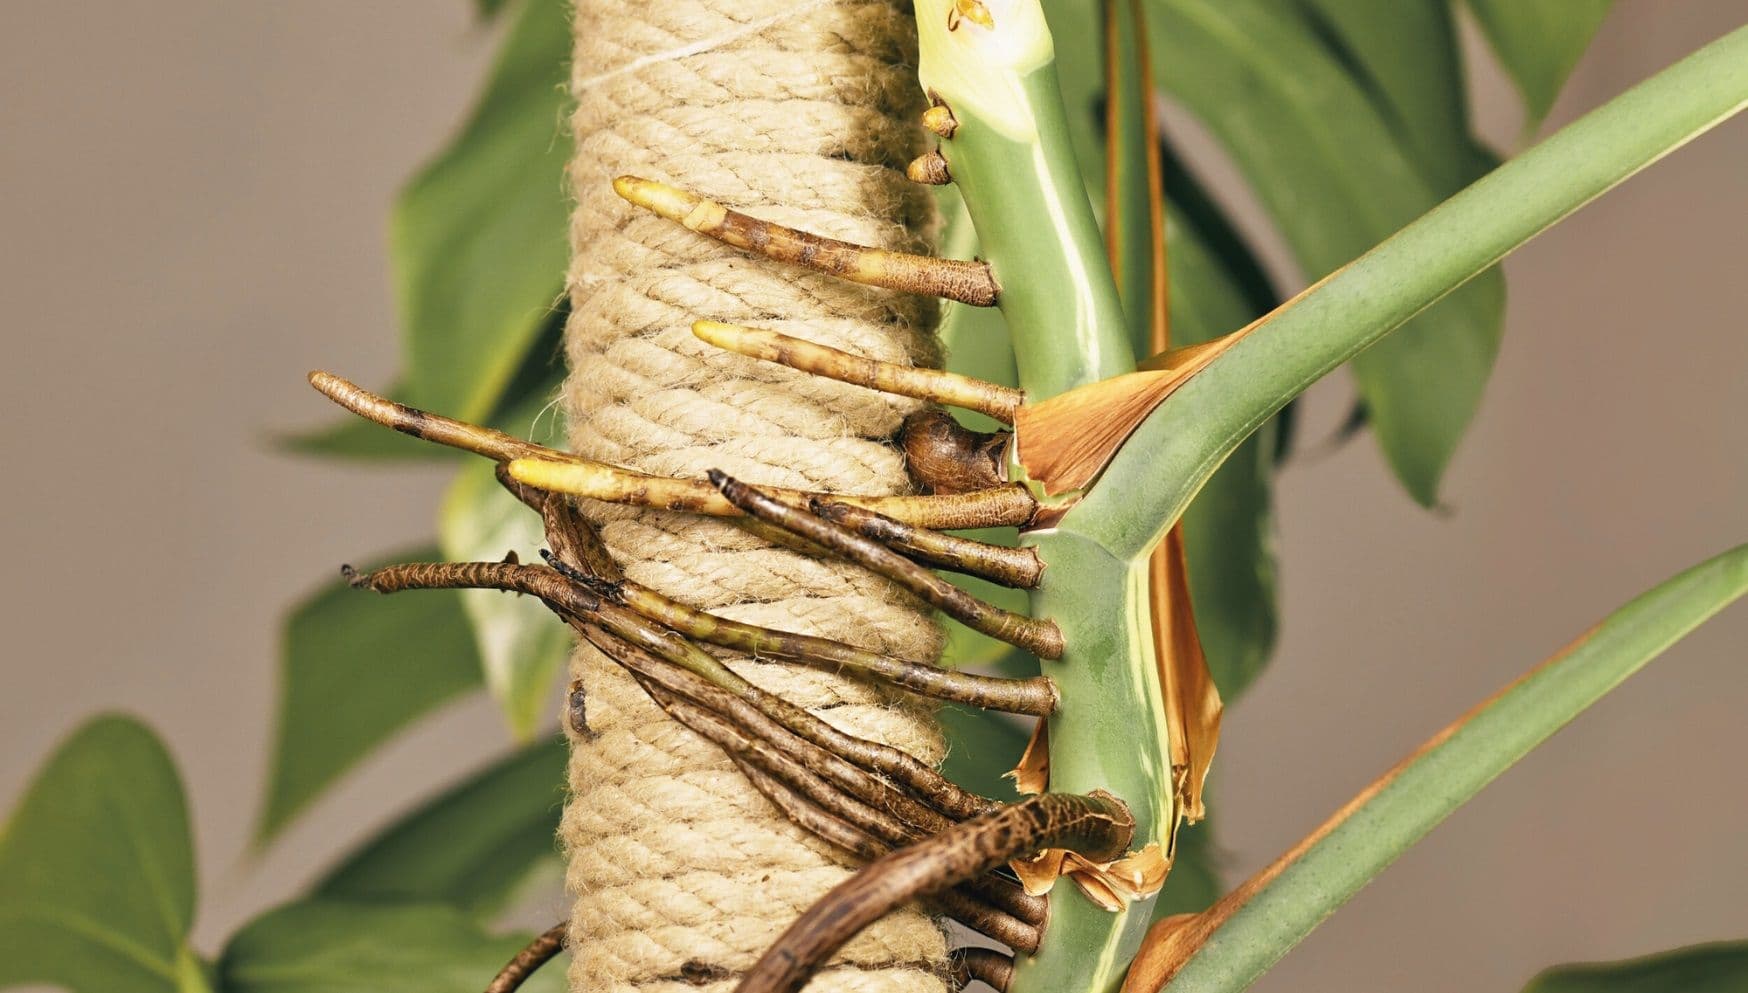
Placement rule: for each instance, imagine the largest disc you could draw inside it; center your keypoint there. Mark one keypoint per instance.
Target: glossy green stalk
(1012, 160)
(1163, 465)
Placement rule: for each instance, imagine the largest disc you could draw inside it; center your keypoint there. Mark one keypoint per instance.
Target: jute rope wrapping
(805, 113)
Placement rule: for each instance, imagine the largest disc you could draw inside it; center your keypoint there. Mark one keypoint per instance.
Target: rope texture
(804, 113)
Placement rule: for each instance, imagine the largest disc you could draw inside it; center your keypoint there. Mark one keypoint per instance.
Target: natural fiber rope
(806, 113)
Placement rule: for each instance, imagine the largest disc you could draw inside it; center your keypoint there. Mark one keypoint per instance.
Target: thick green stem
(1011, 157)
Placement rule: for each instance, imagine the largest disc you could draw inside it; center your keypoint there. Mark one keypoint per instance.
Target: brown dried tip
(967, 282)
(929, 169)
(934, 385)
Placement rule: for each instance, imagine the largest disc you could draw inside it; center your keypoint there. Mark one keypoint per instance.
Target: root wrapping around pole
(1097, 826)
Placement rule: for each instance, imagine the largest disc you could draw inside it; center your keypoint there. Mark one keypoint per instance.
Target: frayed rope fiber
(804, 113)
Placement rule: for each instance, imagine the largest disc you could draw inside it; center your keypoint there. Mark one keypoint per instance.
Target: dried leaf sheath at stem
(965, 282)
(1098, 826)
(1040, 637)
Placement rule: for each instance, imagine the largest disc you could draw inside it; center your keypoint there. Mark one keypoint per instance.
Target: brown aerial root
(536, 954)
(982, 965)
(947, 388)
(966, 282)
(929, 169)
(1019, 568)
(1040, 637)
(1002, 506)
(941, 121)
(1098, 826)
(1034, 696)
(428, 426)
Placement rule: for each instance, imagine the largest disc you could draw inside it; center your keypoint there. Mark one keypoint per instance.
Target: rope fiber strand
(682, 872)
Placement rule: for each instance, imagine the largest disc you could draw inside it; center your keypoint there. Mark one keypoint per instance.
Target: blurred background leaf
(1539, 42)
(479, 236)
(1714, 968)
(332, 947)
(97, 885)
(355, 668)
(472, 847)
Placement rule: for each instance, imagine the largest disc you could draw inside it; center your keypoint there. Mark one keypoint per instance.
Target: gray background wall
(193, 215)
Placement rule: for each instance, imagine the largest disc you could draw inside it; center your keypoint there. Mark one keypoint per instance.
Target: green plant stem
(1156, 474)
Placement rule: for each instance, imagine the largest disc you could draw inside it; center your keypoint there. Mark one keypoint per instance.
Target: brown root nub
(538, 953)
(934, 385)
(967, 282)
(941, 121)
(944, 457)
(428, 426)
(1098, 826)
(929, 169)
(1034, 696)
(1016, 567)
(1040, 637)
(982, 965)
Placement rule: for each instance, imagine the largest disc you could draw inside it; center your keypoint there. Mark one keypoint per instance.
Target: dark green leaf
(469, 848)
(521, 644)
(479, 236)
(1715, 968)
(1539, 41)
(488, 9)
(328, 947)
(1337, 179)
(97, 870)
(355, 668)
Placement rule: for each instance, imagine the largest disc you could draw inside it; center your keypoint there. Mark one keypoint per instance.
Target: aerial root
(538, 952)
(947, 388)
(1098, 826)
(1040, 637)
(966, 282)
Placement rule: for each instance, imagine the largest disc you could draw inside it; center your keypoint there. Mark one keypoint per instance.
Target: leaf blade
(1227, 948)
(478, 236)
(340, 693)
(1721, 967)
(1539, 42)
(97, 877)
(1162, 467)
(470, 847)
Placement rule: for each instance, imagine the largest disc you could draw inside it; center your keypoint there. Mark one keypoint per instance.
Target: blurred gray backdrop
(193, 215)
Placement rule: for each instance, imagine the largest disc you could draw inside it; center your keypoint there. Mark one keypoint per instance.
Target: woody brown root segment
(966, 282)
(1034, 696)
(1019, 568)
(894, 779)
(983, 965)
(998, 506)
(1097, 826)
(538, 953)
(942, 456)
(945, 388)
(1040, 637)
(428, 426)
